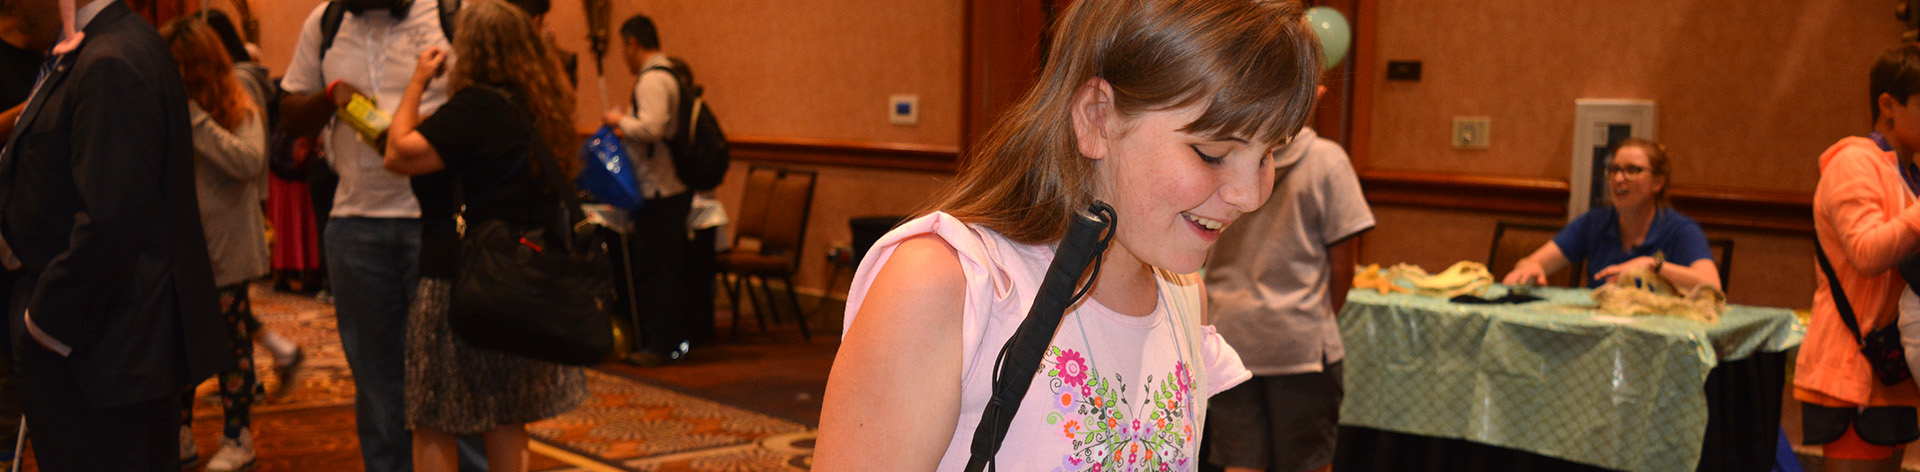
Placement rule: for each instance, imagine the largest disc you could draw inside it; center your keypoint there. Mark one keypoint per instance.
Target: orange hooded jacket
(1867, 222)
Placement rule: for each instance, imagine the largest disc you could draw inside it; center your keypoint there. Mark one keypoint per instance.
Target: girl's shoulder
(990, 264)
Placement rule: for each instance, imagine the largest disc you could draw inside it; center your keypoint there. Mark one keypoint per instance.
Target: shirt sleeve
(1687, 244)
(656, 94)
(304, 74)
(981, 271)
(1575, 239)
(459, 129)
(1224, 367)
(1873, 236)
(239, 154)
(1345, 206)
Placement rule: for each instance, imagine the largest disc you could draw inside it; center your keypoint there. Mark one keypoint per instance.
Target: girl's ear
(1889, 105)
(1093, 116)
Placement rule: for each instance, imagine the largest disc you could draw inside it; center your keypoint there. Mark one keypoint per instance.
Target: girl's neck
(1125, 285)
(1634, 223)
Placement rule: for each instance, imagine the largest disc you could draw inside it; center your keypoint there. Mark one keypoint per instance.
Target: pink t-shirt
(1113, 392)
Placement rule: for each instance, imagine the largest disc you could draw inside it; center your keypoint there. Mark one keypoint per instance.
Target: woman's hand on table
(1642, 262)
(1526, 271)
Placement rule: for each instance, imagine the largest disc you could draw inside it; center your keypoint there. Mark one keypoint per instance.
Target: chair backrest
(1722, 249)
(1513, 241)
(786, 222)
(753, 203)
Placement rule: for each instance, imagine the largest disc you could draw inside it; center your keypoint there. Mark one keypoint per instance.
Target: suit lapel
(100, 22)
(39, 102)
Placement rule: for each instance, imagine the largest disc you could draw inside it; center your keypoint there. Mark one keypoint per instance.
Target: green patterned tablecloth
(1553, 377)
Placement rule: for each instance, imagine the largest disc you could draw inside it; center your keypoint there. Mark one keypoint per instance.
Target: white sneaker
(236, 455)
(188, 453)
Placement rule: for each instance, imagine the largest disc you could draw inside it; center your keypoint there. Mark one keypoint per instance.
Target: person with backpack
(364, 52)
(659, 244)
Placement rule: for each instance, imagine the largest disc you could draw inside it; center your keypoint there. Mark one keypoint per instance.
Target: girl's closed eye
(1208, 158)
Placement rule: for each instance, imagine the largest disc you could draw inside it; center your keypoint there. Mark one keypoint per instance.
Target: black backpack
(337, 12)
(699, 147)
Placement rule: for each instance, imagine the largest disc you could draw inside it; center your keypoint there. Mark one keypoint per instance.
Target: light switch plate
(1470, 132)
(903, 109)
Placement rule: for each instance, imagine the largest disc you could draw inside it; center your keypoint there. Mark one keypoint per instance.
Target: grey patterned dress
(457, 388)
(452, 386)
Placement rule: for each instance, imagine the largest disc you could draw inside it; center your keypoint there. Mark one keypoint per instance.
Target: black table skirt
(1743, 422)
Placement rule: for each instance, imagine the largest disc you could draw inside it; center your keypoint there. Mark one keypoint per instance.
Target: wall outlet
(903, 110)
(841, 255)
(1470, 132)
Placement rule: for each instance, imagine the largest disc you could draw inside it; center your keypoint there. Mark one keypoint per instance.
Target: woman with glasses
(1639, 229)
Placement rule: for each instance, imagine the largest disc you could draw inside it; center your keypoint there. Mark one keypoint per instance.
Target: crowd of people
(137, 252)
(129, 260)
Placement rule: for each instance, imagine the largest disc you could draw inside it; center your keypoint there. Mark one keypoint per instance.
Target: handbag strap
(1833, 285)
(549, 169)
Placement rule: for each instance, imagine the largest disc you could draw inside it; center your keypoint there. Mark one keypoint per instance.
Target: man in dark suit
(113, 312)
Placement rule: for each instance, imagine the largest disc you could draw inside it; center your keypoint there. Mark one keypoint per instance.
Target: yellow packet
(366, 118)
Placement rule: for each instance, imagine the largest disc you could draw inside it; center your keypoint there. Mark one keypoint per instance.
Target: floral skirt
(457, 388)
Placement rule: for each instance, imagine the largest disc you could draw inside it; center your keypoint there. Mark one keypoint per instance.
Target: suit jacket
(97, 200)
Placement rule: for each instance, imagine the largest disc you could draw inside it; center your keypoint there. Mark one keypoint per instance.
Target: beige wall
(803, 68)
(1749, 93)
(817, 69)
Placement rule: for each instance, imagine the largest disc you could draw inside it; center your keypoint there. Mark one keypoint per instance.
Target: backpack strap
(330, 25)
(679, 134)
(337, 12)
(449, 11)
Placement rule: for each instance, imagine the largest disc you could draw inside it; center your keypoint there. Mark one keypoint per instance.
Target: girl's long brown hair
(1253, 63)
(496, 44)
(206, 71)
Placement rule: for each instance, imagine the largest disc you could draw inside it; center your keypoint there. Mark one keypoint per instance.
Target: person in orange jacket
(1866, 220)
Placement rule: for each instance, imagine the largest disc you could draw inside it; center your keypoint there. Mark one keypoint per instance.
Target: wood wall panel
(1749, 93)
(845, 153)
(1750, 210)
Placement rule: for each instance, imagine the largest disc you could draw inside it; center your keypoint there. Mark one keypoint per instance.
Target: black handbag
(1881, 346)
(544, 294)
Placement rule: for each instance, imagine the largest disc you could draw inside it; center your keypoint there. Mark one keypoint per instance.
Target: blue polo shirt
(1595, 237)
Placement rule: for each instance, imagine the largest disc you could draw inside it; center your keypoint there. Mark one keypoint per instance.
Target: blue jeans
(374, 266)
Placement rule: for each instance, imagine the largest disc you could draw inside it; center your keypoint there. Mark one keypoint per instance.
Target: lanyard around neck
(1908, 173)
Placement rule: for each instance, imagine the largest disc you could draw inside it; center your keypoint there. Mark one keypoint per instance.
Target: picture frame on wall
(1598, 124)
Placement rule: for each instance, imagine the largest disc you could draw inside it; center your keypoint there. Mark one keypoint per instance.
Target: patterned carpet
(627, 424)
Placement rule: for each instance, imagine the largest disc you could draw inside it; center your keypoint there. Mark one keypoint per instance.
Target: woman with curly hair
(509, 102)
(229, 159)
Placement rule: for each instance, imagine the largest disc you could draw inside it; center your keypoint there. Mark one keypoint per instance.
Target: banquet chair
(1722, 249)
(773, 254)
(1513, 241)
(748, 228)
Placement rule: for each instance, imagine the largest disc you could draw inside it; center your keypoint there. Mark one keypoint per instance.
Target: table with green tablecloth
(1557, 378)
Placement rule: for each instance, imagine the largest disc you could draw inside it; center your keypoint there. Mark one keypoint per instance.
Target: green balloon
(1335, 35)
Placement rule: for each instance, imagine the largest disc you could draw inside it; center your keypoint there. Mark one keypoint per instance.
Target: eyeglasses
(1629, 169)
